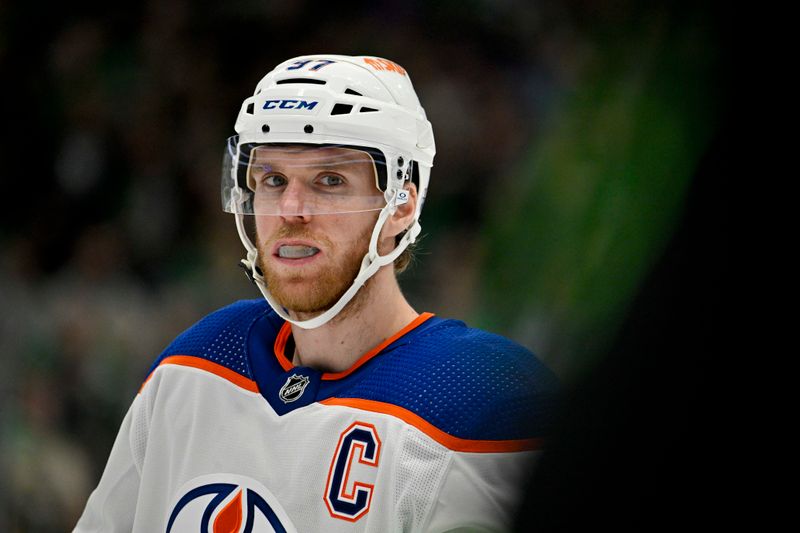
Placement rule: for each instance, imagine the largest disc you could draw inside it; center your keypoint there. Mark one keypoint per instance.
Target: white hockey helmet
(360, 102)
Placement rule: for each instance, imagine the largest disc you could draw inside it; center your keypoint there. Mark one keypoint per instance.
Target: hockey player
(333, 405)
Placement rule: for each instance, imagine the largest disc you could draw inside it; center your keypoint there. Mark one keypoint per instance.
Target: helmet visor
(300, 179)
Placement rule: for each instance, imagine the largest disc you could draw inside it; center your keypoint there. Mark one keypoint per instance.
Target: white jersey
(430, 431)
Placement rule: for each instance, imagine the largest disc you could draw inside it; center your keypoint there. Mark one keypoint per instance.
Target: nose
(293, 201)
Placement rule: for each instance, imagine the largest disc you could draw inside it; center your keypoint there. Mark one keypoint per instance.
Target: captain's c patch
(346, 496)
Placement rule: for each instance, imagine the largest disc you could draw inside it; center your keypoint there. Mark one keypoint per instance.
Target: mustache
(296, 232)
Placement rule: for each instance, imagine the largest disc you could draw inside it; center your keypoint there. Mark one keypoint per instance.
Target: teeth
(296, 252)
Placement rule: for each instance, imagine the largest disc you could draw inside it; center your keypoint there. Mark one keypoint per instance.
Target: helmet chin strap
(370, 264)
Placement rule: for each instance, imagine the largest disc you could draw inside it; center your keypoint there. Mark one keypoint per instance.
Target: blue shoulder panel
(469, 383)
(221, 337)
(466, 382)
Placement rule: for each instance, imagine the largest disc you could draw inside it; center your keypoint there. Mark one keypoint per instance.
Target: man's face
(310, 256)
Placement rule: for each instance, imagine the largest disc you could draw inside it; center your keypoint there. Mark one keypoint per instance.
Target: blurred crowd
(112, 238)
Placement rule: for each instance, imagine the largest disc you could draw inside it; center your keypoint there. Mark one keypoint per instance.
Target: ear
(403, 216)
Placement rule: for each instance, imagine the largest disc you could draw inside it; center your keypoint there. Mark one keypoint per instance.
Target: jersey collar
(286, 332)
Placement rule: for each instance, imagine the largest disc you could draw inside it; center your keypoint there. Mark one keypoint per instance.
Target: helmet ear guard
(362, 103)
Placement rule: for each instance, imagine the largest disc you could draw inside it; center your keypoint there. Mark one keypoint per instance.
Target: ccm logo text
(290, 104)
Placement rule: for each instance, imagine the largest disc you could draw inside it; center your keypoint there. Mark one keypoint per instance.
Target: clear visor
(300, 179)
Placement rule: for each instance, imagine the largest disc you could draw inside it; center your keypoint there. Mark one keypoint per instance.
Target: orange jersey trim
(456, 444)
(280, 346)
(204, 364)
(286, 364)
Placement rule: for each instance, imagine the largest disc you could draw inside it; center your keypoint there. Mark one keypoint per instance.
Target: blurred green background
(567, 136)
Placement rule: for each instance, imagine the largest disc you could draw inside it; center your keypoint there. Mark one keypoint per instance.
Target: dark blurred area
(643, 440)
(568, 135)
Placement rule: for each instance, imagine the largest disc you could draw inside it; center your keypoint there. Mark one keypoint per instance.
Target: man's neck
(381, 311)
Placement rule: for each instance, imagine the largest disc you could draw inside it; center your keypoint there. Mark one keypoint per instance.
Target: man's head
(332, 158)
(323, 203)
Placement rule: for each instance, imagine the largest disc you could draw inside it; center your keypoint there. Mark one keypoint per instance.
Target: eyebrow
(317, 161)
(283, 162)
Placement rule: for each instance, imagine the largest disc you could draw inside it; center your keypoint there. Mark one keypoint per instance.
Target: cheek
(361, 227)
(266, 226)
(344, 234)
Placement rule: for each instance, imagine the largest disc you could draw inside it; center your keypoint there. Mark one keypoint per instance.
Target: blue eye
(331, 180)
(274, 181)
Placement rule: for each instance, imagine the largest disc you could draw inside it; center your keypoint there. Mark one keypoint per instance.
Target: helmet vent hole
(265, 128)
(308, 128)
(250, 108)
(367, 110)
(312, 81)
(341, 109)
(351, 91)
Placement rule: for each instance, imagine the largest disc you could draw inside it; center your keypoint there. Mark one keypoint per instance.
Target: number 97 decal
(317, 64)
(348, 499)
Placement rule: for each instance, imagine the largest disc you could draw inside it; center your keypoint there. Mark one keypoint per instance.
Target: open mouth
(287, 251)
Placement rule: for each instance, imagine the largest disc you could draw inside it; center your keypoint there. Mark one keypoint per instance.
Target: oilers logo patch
(226, 503)
(293, 389)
